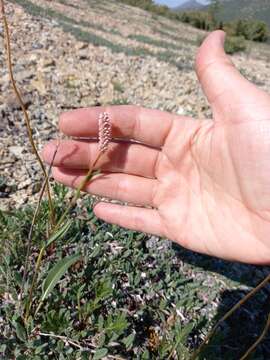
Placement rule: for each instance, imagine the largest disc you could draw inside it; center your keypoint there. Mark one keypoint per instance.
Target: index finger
(148, 126)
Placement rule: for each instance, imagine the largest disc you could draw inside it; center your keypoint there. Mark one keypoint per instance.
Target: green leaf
(56, 273)
(60, 233)
(103, 290)
(146, 355)
(128, 341)
(101, 340)
(183, 334)
(117, 324)
(100, 353)
(20, 331)
(96, 251)
(100, 322)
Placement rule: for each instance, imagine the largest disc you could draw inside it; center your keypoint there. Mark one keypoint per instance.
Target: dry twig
(19, 98)
(229, 313)
(258, 341)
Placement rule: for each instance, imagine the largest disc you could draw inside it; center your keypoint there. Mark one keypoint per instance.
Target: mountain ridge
(245, 9)
(189, 5)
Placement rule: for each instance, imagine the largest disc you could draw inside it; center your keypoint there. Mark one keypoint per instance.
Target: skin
(204, 184)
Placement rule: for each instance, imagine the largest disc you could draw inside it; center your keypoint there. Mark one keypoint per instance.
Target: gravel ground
(56, 71)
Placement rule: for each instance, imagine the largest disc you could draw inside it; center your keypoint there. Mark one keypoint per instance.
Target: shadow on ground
(243, 328)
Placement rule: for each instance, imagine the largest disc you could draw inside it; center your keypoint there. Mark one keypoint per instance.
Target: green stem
(38, 263)
(32, 226)
(72, 203)
(78, 191)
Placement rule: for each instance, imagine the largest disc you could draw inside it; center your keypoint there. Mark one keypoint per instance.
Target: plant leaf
(128, 341)
(56, 273)
(60, 233)
(100, 353)
(20, 331)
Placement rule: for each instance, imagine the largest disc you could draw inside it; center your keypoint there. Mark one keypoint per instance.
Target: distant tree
(259, 31)
(214, 10)
(221, 25)
(254, 30)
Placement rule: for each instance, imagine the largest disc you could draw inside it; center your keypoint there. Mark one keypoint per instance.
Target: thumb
(221, 82)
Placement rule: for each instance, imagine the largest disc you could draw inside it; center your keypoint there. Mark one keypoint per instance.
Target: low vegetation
(121, 297)
(233, 44)
(129, 296)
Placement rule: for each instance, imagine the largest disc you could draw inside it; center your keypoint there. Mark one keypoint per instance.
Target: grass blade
(56, 273)
(59, 234)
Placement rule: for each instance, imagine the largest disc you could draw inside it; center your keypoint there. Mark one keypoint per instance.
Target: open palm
(204, 184)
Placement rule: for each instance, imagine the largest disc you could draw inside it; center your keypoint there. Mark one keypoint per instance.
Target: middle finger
(129, 158)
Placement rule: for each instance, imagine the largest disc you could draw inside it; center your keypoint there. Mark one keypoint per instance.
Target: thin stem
(174, 348)
(59, 223)
(29, 303)
(259, 340)
(38, 308)
(34, 221)
(75, 343)
(63, 338)
(26, 117)
(30, 237)
(78, 191)
(229, 313)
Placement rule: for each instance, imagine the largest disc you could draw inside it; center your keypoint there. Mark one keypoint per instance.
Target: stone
(24, 184)
(46, 62)
(39, 83)
(12, 103)
(17, 151)
(24, 75)
(80, 45)
(83, 54)
(36, 187)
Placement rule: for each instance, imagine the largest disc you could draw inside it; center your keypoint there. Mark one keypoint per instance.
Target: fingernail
(222, 38)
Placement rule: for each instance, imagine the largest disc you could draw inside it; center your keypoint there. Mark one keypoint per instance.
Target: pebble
(16, 150)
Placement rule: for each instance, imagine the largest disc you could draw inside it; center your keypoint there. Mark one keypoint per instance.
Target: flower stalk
(105, 136)
(103, 145)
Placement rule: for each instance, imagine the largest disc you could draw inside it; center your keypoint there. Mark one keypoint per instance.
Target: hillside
(75, 53)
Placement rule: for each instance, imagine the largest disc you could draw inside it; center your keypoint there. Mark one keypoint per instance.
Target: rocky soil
(69, 54)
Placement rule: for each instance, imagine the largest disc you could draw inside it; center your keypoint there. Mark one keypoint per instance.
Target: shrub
(251, 30)
(234, 44)
(199, 19)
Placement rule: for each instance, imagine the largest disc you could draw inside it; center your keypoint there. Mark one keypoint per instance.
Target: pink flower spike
(105, 132)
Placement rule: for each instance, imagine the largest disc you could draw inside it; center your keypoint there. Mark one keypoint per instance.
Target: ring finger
(127, 188)
(129, 158)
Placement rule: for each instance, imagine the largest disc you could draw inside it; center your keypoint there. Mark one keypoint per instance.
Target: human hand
(204, 184)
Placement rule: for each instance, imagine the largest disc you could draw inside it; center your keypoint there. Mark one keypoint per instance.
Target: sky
(174, 3)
